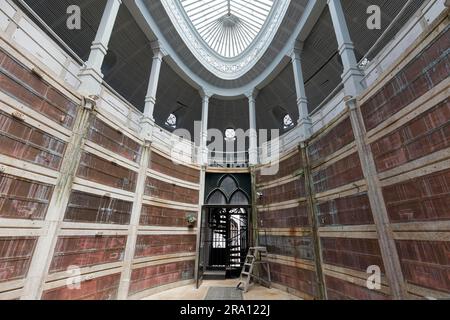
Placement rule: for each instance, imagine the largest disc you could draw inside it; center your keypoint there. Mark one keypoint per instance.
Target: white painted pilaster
(201, 203)
(304, 122)
(43, 253)
(91, 76)
(130, 248)
(386, 241)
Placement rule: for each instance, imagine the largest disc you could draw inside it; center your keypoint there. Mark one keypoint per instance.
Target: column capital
(252, 94)
(350, 102)
(158, 50)
(205, 94)
(297, 49)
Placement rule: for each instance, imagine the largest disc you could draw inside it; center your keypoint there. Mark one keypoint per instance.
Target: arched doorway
(225, 228)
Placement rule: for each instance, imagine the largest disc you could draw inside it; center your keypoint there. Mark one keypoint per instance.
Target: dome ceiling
(228, 26)
(228, 37)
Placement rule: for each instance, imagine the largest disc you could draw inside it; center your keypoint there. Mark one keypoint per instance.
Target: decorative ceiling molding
(225, 68)
(228, 27)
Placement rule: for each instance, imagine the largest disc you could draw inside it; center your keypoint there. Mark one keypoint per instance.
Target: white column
(91, 76)
(148, 120)
(304, 122)
(253, 147)
(203, 152)
(352, 76)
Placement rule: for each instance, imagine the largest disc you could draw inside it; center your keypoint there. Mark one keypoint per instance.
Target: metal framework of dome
(228, 26)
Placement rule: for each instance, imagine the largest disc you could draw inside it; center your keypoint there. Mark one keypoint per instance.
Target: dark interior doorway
(225, 228)
(225, 241)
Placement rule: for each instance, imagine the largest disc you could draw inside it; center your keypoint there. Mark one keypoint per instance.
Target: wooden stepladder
(254, 258)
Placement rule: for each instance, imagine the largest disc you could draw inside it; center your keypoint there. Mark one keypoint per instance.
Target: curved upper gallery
(127, 66)
(227, 47)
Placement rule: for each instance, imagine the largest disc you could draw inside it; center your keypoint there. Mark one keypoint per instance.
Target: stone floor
(191, 293)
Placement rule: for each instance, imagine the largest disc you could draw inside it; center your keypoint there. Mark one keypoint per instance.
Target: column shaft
(352, 76)
(203, 152)
(148, 120)
(91, 76)
(304, 122)
(253, 147)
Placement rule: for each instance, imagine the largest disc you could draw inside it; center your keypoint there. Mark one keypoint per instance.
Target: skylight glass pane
(228, 26)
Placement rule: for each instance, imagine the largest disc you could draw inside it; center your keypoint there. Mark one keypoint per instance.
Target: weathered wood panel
(86, 251)
(169, 191)
(96, 169)
(23, 199)
(302, 280)
(284, 192)
(337, 138)
(15, 257)
(154, 245)
(428, 133)
(346, 211)
(168, 167)
(24, 142)
(164, 217)
(287, 167)
(102, 288)
(289, 246)
(114, 140)
(158, 275)
(422, 74)
(85, 207)
(426, 263)
(338, 289)
(340, 173)
(356, 254)
(296, 217)
(25, 86)
(425, 198)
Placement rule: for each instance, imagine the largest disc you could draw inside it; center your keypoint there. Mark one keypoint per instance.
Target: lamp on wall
(191, 219)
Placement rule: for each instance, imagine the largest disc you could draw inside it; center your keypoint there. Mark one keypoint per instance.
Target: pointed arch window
(239, 198)
(228, 192)
(217, 198)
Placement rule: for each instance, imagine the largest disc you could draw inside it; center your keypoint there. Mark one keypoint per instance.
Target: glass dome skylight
(228, 26)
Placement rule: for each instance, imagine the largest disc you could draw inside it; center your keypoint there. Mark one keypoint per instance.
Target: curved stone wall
(119, 230)
(373, 189)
